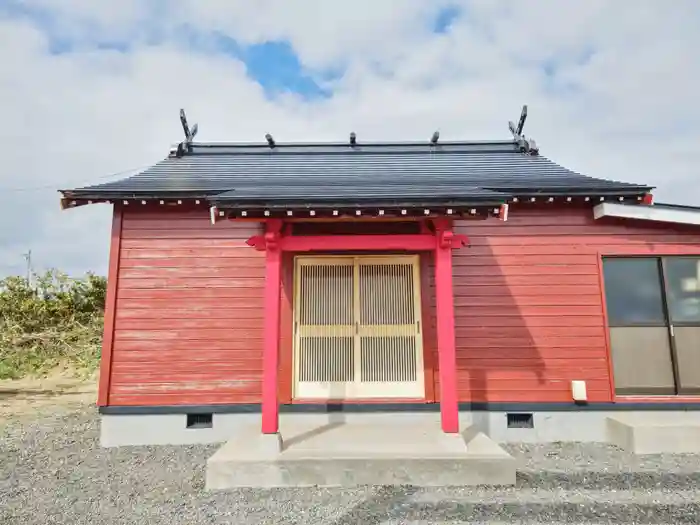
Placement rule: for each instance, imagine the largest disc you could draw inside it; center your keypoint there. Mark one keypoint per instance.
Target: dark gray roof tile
(254, 172)
(338, 194)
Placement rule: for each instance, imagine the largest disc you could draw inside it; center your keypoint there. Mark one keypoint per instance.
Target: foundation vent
(520, 420)
(199, 420)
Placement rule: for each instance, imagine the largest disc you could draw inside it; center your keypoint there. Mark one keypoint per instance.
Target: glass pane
(683, 283)
(633, 292)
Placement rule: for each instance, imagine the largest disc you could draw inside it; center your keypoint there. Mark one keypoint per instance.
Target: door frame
(437, 238)
(424, 365)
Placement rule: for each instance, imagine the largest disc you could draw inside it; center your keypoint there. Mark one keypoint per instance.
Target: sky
(92, 89)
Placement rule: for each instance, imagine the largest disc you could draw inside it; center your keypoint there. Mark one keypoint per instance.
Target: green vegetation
(53, 321)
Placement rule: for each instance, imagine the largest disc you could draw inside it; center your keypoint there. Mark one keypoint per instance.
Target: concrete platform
(352, 454)
(655, 433)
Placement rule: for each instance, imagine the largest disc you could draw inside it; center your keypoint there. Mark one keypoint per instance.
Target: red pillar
(273, 280)
(447, 356)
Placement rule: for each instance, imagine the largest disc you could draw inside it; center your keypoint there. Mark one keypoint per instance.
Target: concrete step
(353, 454)
(655, 433)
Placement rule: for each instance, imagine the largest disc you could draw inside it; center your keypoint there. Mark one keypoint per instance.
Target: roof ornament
(270, 140)
(353, 139)
(434, 139)
(186, 145)
(526, 145)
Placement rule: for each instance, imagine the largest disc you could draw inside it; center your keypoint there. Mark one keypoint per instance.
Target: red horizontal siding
(157, 310)
(190, 264)
(185, 294)
(171, 332)
(528, 302)
(184, 241)
(205, 304)
(529, 313)
(203, 253)
(545, 301)
(198, 283)
(158, 348)
(188, 327)
(539, 280)
(194, 325)
(534, 333)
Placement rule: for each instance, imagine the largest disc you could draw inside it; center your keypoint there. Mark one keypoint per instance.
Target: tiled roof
(379, 195)
(335, 173)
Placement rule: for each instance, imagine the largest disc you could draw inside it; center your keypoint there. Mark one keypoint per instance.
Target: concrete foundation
(547, 427)
(655, 433)
(351, 454)
(169, 429)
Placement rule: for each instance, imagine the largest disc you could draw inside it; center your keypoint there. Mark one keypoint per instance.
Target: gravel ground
(53, 471)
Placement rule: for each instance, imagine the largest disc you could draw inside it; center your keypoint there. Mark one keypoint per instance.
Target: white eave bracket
(644, 212)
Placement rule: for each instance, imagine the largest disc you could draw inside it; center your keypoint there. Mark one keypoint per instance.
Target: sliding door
(357, 328)
(653, 309)
(683, 298)
(639, 338)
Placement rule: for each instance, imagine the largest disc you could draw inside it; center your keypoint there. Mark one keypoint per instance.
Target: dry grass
(51, 322)
(30, 397)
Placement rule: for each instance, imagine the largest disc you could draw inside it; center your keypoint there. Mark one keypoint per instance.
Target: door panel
(357, 328)
(687, 341)
(639, 338)
(642, 360)
(683, 299)
(324, 326)
(391, 354)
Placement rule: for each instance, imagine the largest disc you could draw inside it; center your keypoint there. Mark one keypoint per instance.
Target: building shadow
(335, 420)
(497, 326)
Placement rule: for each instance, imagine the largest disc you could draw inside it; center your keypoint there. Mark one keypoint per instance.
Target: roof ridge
(235, 148)
(501, 142)
(519, 142)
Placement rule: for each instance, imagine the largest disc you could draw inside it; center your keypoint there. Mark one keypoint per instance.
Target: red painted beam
(320, 243)
(110, 307)
(358, 242)
(273, 282)
(447, 355)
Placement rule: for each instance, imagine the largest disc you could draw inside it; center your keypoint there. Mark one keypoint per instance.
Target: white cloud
(622, 102)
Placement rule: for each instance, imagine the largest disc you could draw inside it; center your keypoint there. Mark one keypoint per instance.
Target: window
(653, 306)
(633, 292)
(683, 283)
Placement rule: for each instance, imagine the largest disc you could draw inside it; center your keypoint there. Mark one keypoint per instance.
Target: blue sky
(95, 88)
(273, 64)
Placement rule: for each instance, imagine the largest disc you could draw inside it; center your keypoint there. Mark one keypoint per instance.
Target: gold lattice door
(357, 328)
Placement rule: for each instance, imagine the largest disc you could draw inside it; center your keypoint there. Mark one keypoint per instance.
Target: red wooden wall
(529, 304)
(188, 327)
(528, 307)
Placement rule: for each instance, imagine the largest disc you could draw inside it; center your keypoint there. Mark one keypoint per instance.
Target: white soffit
(647, 213)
